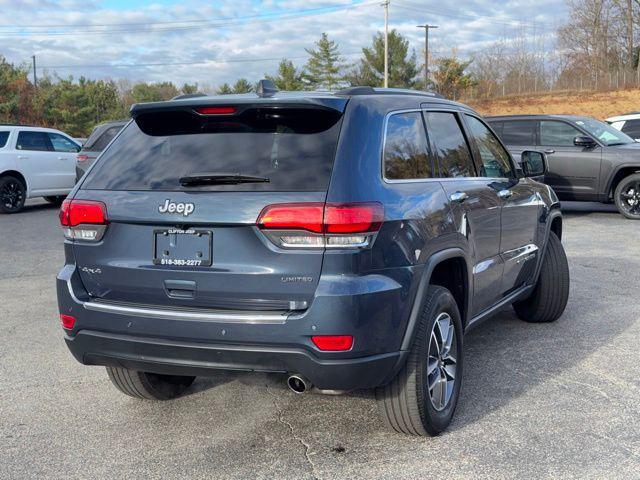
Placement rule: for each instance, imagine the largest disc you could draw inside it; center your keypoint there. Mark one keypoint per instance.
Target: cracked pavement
(538, 401)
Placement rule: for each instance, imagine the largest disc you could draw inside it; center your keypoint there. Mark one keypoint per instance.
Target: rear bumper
(170, 341)
(188, 358)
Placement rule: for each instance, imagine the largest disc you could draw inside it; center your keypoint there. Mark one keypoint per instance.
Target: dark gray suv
(347, 240)
(588, 160)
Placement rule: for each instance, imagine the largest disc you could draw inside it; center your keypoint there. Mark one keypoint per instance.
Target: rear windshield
(293, 147)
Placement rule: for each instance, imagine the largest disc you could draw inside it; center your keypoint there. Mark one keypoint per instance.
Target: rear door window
(557, 134)
(293, 147)
(34, 141)
(632, 128)
(521, 132)
(4, 136)
(451, 145)
(62, 144)
(406, 151)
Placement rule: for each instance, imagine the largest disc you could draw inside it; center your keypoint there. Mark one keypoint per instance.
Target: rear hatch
(183, 186)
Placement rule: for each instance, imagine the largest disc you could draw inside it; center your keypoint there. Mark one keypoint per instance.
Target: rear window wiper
(219, 179)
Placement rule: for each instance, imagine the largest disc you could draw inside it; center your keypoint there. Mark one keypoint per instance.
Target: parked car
(588, 160)
(95, 144)
(347, 240)
(34, 162)
(628, 123)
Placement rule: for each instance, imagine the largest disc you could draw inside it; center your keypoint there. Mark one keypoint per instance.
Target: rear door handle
(551, 151)
(458, 197)
(505, 193)
(22, 157)
(61, 158)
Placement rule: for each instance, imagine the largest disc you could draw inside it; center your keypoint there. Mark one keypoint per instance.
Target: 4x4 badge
(173, 207)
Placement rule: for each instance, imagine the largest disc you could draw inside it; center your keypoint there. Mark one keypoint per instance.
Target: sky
(210, 43)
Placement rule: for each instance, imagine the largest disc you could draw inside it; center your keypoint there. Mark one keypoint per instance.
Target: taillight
(67, 321)
(82, 158)
(216, 110)
(333, 343)
(318, 225)
(83, 220)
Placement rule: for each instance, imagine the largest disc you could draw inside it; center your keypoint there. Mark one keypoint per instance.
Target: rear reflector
(82, 158)
(216, 110)
(83, 219)
(67, 321)
(314, 225)
(333, 343)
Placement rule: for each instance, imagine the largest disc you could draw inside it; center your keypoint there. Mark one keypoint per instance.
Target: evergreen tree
(242, 85)
(325, 66)
(224, 89)
(403, 68)
(288, 77)
(450, 78)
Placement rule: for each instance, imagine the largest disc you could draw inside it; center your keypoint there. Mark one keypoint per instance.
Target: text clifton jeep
(347, 240)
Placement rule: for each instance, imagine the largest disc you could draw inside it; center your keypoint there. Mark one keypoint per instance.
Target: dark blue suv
(347, 240)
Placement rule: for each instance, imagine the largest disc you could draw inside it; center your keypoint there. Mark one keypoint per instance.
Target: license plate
(182, 248)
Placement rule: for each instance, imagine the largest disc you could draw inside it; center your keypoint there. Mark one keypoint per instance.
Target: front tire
(422, 398)
(148, 386)
(13, 194)
(627, 196)
(551, 293)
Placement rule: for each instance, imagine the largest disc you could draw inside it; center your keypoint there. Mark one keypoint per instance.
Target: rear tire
(148, 386)
(551, 293)
(627, 196)
(57, 200)
(408, 404)
(13, 194)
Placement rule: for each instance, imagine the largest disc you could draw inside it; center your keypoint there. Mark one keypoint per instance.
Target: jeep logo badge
(173, 207)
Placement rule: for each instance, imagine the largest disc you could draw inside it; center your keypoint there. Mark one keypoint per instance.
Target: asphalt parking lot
(539, 401)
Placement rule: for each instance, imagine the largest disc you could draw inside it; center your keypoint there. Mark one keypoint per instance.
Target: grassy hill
(600, 105)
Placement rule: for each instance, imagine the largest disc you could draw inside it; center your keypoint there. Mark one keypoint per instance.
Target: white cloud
(224, 48)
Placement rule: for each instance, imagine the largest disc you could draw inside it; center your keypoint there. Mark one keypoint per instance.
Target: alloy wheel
(12, 194)
(630, 198)
(441, 363)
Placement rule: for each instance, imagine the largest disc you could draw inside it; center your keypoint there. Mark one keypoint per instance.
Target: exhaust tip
(298, 384)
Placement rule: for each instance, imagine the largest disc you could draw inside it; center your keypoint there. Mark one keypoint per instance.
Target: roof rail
(366, 90)
(189, 95)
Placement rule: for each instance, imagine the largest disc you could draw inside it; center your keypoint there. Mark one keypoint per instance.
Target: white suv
(629, 124)
(35, 162)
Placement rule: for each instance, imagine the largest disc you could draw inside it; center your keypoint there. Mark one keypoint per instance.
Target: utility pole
(426, 27)
(386, 43)
(35, 78)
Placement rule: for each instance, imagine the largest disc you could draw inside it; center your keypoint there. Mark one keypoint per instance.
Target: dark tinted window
(406, 149)
(4, 136)
(495, 159)
(38, 141)
(293, 148)
(62, 144)
(104, 139)
(453, 151)
(558, 134)
(631, 128)
(519, 133)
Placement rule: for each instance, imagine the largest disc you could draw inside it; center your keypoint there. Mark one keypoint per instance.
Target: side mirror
(586, 142)
(534, 163)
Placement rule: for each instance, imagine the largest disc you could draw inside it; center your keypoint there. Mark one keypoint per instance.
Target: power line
(208, 24)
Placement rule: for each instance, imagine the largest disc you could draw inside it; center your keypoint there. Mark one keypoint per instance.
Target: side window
(631, 128)
(104, 139)
(4, 136)
(558, 134)
(522, 132)
(453, 151)
(62, 144)
(495, 159)
(35, 141)
(406, 152)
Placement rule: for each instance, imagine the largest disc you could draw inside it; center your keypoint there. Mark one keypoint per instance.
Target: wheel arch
(18, 175)
(621, 172)
(448, 268)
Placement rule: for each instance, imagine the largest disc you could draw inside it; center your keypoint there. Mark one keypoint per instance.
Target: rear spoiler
(241, 102)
